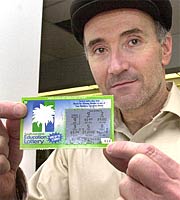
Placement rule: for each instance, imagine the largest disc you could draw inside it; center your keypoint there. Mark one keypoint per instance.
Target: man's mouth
(123, 83)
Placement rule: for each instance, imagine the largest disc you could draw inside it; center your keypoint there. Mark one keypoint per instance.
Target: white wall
(20, 34)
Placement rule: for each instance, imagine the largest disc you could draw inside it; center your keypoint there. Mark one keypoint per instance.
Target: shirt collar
(119, 125)
(172, 103)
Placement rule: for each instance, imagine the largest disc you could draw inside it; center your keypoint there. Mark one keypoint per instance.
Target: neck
(137, 118)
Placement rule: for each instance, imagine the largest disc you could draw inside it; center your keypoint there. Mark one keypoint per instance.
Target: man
(127, 45)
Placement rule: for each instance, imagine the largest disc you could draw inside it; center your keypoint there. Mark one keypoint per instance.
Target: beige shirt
(85, 174)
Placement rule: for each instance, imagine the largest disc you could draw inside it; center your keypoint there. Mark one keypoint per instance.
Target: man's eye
(99, 50)
(133, 42)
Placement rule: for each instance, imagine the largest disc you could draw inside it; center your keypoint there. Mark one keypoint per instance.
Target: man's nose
(118, 62)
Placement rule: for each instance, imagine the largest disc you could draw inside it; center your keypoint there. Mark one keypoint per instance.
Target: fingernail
(109, 148)
(19, 110)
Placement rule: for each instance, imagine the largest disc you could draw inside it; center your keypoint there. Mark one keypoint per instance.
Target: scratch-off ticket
(67, 122)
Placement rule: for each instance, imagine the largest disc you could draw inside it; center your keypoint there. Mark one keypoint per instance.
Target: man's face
(125, 56)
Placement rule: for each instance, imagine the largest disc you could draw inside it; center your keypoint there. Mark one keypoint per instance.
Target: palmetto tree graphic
(43, 115)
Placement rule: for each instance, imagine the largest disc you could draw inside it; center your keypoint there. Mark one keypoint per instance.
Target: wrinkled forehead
(121, 20)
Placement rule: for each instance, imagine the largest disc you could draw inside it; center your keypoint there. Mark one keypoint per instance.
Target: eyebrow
(123, 34)
(95, 41)
(131, 31)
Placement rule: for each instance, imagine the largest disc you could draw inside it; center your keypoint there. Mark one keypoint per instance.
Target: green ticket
(67, 122)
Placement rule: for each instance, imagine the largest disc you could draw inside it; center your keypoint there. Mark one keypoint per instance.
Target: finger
(126, 150)
(4, 164)
(7, 183)
(120, 198)
(118, 163)
(133, 190)
(147, 172)
(4, 139)
(118, 154)
(12, 110)
(4, 150)
(15, 154)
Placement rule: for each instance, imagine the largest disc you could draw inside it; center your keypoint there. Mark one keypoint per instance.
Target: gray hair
(161, 32)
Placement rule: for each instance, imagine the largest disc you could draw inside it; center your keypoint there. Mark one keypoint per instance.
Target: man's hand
(10, 154)
(151, 175)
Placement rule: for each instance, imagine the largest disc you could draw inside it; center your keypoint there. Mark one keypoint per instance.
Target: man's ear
(166, 49)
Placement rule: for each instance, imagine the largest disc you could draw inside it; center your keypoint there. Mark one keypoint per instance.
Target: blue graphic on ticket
(67, 122)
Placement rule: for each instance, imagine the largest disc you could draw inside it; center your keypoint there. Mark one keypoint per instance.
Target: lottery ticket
(67, 122)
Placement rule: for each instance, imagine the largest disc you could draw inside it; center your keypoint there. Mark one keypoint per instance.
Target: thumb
(15, 154)
(118, 163)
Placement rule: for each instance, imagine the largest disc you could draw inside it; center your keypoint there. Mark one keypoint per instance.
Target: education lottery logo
(43, 116)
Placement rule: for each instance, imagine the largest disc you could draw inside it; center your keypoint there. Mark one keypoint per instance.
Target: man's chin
(127, 102)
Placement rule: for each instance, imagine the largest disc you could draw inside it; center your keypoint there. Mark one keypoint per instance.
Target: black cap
(83, 10)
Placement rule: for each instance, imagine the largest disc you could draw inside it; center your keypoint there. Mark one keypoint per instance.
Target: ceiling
(58, 45)
(56, 42)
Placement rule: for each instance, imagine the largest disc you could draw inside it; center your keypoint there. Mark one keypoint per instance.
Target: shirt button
(154, 129)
